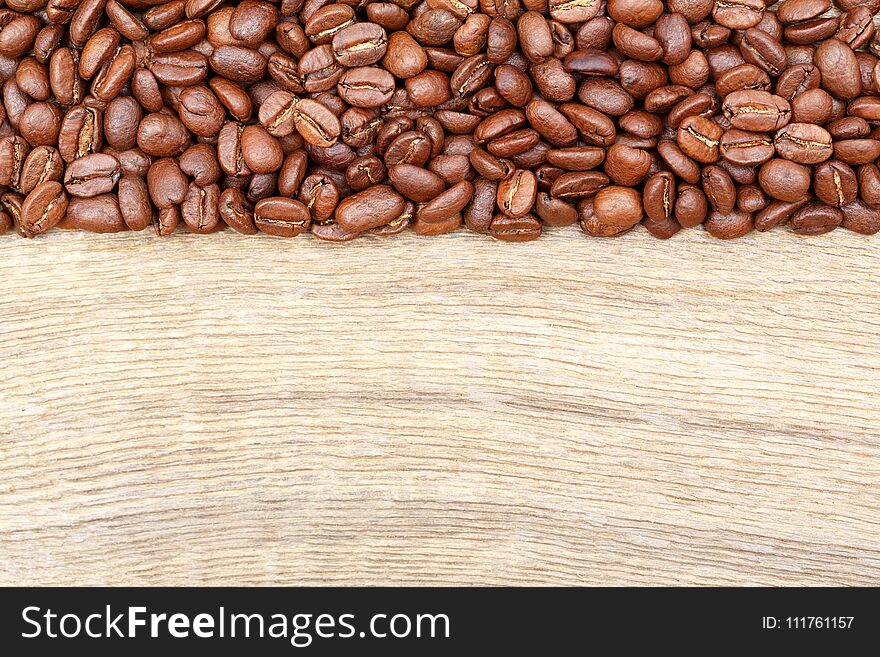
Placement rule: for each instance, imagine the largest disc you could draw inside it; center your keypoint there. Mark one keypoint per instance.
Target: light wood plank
(229, 410)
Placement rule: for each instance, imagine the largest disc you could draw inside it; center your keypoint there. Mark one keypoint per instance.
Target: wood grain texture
(229, 410)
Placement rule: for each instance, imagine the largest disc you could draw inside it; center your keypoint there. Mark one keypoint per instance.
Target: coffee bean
(861, 218)
(690, 206)
(371, 208)
(43, 208)
(757, 111)
(282, 217)
(729, 225)
(805, 143)
(700, 139)
(816, 219)
(784, 180)
(92, 175)
(840, 69)
(97, 214)
(616, 209)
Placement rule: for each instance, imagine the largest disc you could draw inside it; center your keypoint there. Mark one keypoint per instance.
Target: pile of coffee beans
(370, 118)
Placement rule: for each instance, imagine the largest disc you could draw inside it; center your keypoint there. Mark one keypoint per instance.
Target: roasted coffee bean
(626, 165)
(729, 225)
(280, 216)
(516, 195)
(840, 69)
(700, 139)
(757, 111)
(746, 148)
(869, 184)
(719, 189)
(784, 180)
(167, 183)
(504, 116)
(805, 143)
(371, 208)
(861, 218)
(777, 212)
(43, 208)
(614, 210)
(41, 164)
(515, 229)
(816, 219)
(236, 211)
(97, 214)
(161, 135)
(690, 206)
(92, 175)
(658, 197)
(751, 198)
(200, 208)
(134, 202)
(416, 183)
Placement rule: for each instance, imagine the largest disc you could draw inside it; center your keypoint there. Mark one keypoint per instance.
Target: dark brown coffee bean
(869, 184)
(281, 217)
(614, 210)
(134, 202)
(857, 151)
(167, 183)
(746, 148)
(751, 198)
(260, 150)
(161, 135)
(366, 86)
(635, 13)
(416, 183)
(744, 77)
(333, 232)
(554, 211)
(856, 27)
(371, 208)
(40, 124)
(92, 175)
(776, 213)
(816, 219)
(97, 214)
(738, 14)
(690, 206)
(861, 218)
(700, 139)
(840, 69)
(784, 180)
(729, 225)
(229, 151)
(359, 44)
(42, 164)
(236, 211)
(576, 158)
(805, 143)
(43, 208)
(658, 196)
(516, 195)
(479, 212)
(682, 165)
(626, 165)
(719, 189)
(200, 208)
(757, 111)
(550, 123)
(515, 229)
(320, 194)
(167, 220)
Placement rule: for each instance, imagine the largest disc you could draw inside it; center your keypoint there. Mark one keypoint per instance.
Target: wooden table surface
(230, 410)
